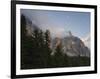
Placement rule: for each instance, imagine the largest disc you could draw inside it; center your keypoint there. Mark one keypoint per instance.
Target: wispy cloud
(55, 31)
(86, 40)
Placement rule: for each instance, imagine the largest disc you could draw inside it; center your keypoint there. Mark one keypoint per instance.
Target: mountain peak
(69, 34)
(71, 45)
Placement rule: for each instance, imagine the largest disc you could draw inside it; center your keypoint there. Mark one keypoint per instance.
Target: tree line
(36, 51)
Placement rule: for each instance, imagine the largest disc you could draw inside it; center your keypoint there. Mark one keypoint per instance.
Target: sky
(60, 22)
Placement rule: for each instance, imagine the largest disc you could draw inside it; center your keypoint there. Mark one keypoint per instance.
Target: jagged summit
(69, 33)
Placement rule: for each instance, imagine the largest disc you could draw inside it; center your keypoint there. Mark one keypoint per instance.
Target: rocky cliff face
(72, 46)
(30, 27)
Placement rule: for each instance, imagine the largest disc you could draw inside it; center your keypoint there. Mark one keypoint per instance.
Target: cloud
(86, 40)
(55, 31)
(58, 32)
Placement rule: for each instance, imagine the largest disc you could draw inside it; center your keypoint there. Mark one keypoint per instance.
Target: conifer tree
(59, 56)
(47, 48)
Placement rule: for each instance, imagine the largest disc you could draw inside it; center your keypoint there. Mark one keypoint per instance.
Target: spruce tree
(47, 49)
(58, 56)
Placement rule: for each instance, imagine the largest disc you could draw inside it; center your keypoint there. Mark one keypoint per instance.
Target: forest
(36, 51)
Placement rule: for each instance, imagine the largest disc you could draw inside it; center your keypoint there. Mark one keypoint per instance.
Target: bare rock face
(30, 27)
(72, 46)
